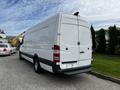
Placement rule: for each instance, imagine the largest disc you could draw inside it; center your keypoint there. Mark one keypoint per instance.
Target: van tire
(37, 67)
(20, 56)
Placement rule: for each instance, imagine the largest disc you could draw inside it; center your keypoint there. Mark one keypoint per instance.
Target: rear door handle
(66, 48)
(82, 52)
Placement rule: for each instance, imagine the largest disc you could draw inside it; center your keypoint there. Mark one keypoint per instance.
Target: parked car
(60, 44)
(6, 49)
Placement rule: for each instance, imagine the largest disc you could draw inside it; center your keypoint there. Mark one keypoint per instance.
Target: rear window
(3, 45)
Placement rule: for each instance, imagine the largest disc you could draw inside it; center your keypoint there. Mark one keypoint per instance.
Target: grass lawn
(106, 64)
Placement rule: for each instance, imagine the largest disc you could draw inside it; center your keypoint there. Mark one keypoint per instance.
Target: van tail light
(4, 50)
(56, 53)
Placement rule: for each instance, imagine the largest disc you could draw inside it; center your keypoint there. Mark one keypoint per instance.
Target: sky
(17, 16)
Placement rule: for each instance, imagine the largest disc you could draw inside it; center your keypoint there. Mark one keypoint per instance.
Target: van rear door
(75, 41)
(69, 50)
(85, 51)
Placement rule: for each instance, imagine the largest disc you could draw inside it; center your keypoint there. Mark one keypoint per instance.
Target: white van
(60, 44)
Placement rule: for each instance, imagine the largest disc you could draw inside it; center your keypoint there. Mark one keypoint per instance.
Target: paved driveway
(19, 75)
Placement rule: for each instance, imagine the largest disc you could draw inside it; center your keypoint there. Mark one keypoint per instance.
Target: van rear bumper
(70, 71)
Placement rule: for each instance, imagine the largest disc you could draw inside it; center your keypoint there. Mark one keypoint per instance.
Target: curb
(105, 77)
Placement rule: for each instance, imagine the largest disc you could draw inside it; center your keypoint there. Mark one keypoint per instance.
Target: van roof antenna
(76, 13)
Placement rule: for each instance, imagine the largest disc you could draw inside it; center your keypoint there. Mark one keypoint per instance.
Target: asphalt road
(19, 75)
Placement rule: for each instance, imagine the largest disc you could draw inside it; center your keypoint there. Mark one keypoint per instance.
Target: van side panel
(40, 40)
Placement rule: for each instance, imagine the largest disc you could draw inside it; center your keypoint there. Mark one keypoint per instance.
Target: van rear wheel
(37, 67)
(20, 56)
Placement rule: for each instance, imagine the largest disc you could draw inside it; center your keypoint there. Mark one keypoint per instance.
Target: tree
(118, 42)
(118, 36)
(101, 41)
(93, 37)
(113, 40)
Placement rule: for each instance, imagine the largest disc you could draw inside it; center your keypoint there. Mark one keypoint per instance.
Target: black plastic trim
(56, 68)
(69, 62)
